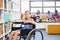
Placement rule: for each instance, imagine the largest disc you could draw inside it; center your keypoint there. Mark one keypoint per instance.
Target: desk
(53, 28)
(43, 25)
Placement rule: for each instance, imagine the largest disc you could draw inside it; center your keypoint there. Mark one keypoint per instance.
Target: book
(1, 29)
(0, 13)
(6, 16)
(5, 3)
(7, 27)
(8, 4)
(1, 3)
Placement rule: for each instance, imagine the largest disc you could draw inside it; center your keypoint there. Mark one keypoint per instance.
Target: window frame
(45, 6)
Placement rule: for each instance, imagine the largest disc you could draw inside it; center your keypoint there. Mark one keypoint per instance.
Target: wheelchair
(27, 34)
(24, 32)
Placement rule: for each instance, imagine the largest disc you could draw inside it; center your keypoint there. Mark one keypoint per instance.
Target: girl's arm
(32, 21)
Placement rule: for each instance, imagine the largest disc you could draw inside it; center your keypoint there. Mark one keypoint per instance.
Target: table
(43, 25)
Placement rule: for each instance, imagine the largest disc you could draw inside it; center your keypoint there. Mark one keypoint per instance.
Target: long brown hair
(23, 17)
(26, 12)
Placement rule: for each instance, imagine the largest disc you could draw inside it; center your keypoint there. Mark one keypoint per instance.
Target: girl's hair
(48, 11)
(38, 12)
(56, 11)
(27, 11)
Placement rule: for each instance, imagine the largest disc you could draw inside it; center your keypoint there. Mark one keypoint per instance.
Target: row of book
(5, 27)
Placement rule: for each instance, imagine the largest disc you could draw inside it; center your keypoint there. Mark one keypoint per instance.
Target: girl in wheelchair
(27, 19)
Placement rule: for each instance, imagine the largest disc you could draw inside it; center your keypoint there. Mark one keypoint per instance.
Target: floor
(46, 36)
(50, 37)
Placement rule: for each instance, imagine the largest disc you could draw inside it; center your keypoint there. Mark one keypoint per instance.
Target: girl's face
(27, 15)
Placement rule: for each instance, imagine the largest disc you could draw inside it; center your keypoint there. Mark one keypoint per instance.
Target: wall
(15, 10)
(16, 5)
(24, 5)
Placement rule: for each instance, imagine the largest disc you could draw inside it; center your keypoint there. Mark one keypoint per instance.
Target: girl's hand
(28, 21)
(31, 21)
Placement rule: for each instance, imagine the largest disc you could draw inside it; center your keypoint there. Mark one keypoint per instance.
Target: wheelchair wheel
(38, 35)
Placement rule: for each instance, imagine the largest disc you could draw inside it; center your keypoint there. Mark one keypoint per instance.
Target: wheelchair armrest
(16, 28)
(18, 23)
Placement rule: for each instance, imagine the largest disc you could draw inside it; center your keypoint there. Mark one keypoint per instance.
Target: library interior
(29, 19)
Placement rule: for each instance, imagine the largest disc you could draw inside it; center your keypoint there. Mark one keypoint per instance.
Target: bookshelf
(8, 12)
(5, 10)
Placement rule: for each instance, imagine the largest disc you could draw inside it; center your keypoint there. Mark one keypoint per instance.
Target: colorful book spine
(1, 3)
(1, 29)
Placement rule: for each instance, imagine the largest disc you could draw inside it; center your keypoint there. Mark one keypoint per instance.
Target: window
(35, 9)
(46, 6)
(49, 9)
(57, 3)
(36, 4)
(49, 3)
(24, 6)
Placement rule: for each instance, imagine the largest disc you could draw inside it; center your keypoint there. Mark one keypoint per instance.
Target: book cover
(1, 29)
(1, 3)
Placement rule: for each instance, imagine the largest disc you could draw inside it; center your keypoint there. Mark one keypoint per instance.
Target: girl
(17, 32)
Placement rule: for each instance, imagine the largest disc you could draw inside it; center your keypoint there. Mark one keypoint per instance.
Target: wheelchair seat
(24, 32)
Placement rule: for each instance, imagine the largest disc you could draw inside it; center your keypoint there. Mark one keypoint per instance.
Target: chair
(43, 16)
(24, 32)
